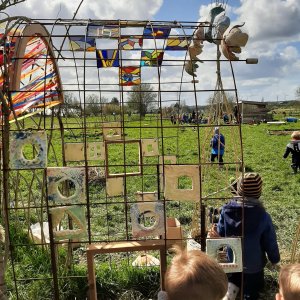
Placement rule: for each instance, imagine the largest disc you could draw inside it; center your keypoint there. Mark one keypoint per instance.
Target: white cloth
(162, 296)
(232, 292)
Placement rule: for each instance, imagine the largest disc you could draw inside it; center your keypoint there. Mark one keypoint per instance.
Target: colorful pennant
(156, 32)
(131, 43)
(152, 58)
(82, 43)
(178, 43)
(107, 58)
(130, 76)
(107, 31)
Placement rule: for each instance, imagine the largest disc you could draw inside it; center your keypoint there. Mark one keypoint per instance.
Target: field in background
(263, 151)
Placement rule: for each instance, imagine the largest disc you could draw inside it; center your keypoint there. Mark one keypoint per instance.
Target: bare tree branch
(7, 3)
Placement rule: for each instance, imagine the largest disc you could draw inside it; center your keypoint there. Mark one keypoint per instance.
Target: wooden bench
(115, 247)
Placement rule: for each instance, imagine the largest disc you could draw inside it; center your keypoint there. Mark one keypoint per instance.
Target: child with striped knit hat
(260, 242)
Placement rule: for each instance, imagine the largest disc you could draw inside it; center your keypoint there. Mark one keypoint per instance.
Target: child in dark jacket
(294, 147)
(259, 236)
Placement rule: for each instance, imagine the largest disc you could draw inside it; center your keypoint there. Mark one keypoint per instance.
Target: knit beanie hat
(250, 186)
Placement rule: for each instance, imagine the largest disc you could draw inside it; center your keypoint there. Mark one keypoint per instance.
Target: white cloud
(109, 9)
(268, 21)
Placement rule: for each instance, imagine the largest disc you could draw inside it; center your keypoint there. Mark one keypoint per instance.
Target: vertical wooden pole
(91, 276)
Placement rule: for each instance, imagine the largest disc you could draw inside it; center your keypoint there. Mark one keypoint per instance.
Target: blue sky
(273, 28)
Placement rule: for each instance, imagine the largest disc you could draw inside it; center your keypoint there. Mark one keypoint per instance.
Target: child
(194, 275)
(217, 144)
(294, 147)
(259, 236)
(289, 283)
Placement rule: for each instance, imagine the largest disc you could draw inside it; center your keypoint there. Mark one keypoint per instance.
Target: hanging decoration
(130, 76)
(100, 31)
(107, 58)
(81, 43)
(152, 58)
(131, 43)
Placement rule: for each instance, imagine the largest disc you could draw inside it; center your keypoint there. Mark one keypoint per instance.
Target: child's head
(295, 135)
(250, 186)
(194, 275)
(289, 283)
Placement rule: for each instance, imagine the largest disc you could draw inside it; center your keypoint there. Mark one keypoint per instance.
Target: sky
(273, 28)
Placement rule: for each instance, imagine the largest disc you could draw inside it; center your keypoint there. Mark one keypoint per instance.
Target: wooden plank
(126, 246)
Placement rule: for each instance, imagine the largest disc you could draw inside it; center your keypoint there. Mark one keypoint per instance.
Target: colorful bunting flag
(107, 31)
(107, 58)
(178, 43)
(156, 32)
(152, 58)
(130, 43)
(82, 43)
(130, 76)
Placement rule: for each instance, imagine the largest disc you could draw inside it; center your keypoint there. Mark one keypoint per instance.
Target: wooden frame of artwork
(172, 174)
(116, 247)
(110, 175)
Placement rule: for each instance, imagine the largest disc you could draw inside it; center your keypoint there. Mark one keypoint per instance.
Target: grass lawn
(263, 153)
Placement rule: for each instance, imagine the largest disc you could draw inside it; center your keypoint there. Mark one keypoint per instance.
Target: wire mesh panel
(107, 137)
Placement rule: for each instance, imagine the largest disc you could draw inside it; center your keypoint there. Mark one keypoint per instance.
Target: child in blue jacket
(217, 144)
(260, 241)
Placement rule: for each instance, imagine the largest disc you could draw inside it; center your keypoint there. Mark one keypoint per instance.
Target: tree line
(141, 100)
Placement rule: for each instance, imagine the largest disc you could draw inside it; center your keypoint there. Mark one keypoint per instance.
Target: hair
(194, 275)
(295, 135)
(289, 282)
(250, 185)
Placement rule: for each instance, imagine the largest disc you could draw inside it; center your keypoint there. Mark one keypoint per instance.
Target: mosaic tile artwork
(57, 176)
(76, 214)
(20, 139)
(152, 209)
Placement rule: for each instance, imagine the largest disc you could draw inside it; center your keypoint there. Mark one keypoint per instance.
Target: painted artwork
(38, 141)
(82, 43)
(71, 177)
(152, 58)
(178, 43)
(36, 82)
(74, 213)
(156, 32)
(130, 76)
(140, 211)
(100, 31)
(107, 58)
(131, 44)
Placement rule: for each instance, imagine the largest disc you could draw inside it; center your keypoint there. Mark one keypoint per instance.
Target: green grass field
(263, 153)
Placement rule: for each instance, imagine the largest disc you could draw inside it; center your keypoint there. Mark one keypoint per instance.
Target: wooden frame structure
(128, 246)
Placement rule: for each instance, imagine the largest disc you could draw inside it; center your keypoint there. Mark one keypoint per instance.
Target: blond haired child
(289, 283)
(194, 275)
(294, 147)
